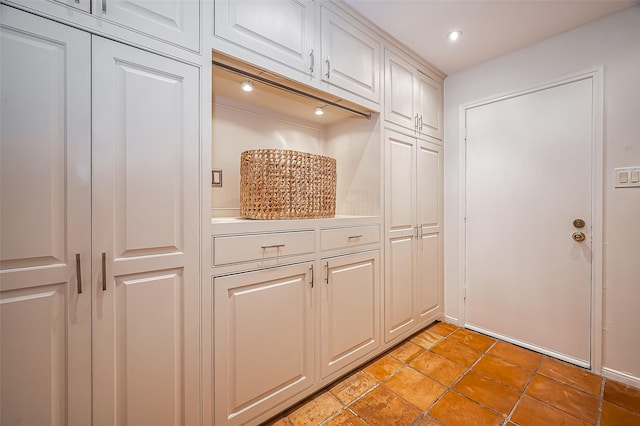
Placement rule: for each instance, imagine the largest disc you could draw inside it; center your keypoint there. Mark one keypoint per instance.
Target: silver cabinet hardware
(328, 62)
(78, 273)
(104, 271)
(312, 62)
(272, 246)
(353, 237)
(326, 273)
(104, 6)
(312, 275)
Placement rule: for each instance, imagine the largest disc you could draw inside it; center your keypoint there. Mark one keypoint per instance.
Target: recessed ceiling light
(247, 86)
(454, 35)
(319, 111)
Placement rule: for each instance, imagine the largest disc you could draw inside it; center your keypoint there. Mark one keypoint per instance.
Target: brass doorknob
(578, 236)
(578, 223)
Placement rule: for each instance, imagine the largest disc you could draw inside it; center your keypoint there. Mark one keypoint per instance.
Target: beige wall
(612, 42)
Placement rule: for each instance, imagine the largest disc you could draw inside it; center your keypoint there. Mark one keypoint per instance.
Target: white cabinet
(412, 98)
(282, 30)
(413, 223)
(176, 21)
(350, 55)
(264, 334)
(350, 309)
(45, 222)
(145, 133)
(100, 247)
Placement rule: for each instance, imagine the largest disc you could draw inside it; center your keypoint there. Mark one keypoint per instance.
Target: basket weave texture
(285, 184)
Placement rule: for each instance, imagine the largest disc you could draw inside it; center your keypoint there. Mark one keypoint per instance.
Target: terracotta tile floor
(450, 376)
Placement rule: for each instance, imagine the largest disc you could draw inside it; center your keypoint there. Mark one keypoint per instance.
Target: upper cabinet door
(399, 90)
(84, 5)
(45, 222)
(145, 237)
(176, 21)
(281, 30)
(429, 106)
(350, 56)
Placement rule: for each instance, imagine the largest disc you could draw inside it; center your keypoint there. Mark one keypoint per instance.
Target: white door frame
(597, 191)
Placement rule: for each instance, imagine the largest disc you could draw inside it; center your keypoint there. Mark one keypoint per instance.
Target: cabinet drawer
(345, 237)
(246, 248)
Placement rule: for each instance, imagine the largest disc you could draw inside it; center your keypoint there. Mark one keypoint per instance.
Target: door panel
(350, 296)
(399, 291)
(280, 30)
(399, 91)
(171, 21)
(429, 99)
(528, 177)
(428, 176)
(428, 274)
(145, 224)
(45, 145)
(262, 318)
(400, 182)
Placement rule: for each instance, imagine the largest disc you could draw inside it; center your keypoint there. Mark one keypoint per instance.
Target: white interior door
(528, 177)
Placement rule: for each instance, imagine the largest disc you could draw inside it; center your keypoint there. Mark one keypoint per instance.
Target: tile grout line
(601, 402)
(522, 394)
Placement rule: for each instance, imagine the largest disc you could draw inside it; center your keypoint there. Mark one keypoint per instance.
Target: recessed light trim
(319, 111)
(454, 35)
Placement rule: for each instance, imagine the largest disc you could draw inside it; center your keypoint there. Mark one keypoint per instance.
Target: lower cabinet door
(263, 340)
(350, 306)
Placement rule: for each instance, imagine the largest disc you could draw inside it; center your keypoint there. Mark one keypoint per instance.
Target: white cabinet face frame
(350, 56)
(350, 309)
(264, 340)
(145, 237)
(283, 30)
(45, 222)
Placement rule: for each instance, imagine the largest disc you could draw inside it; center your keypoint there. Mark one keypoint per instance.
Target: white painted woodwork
(413, 188)
(350, 56)
(176, 22)
(335, 238)
(350, 309)
(84, 5)
(145, 219)
(412, 98)
(264, 333)
(529, 162)
(429, 106)
(45, 145)
(282, 30)
(244, 248)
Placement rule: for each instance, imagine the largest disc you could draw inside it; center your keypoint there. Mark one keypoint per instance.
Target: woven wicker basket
(284, 184)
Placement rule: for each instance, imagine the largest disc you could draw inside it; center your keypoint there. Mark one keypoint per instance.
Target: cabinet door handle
(104, 271)
(420, 121)
(312, 275)
(77, 1)
(353, 237)
(328, 62)
(312, 62)
(104, 6)
(326, 273)
(78, 273)
(272, 246)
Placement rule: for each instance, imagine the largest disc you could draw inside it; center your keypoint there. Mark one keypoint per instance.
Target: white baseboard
(451, 320)
(621, 377)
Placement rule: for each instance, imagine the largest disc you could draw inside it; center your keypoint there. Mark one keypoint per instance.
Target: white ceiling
(490, 28)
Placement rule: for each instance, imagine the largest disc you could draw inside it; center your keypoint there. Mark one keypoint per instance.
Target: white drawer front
(336, 238)
(245, 248)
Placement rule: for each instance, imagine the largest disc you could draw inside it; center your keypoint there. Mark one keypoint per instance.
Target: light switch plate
(626, 177)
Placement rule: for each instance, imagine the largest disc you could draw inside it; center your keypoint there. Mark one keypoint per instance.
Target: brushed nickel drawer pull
(104, 271)
(273, 246)
(78, 273)
(353, 237)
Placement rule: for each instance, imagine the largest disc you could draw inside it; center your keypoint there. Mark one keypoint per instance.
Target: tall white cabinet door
(263, 328)
(400, 222)
(45, 145)
(429, 213)
(350, 309)
(429, 106)
(399, 90)
(175, 21)
(145, 238)
(350, 56)
(281, 30)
